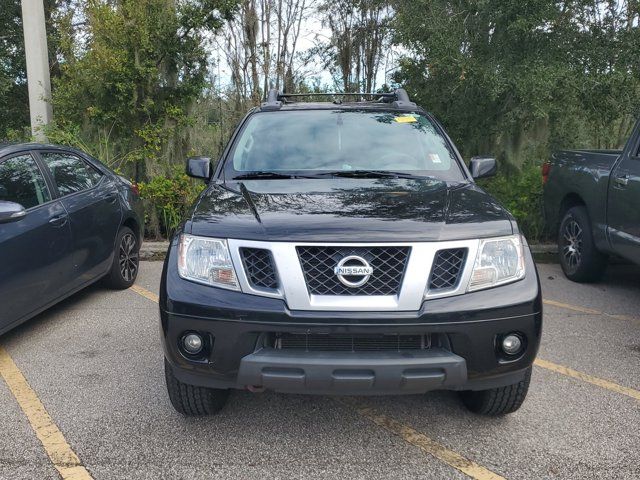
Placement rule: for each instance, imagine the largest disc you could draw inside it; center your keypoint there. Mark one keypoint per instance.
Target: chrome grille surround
(318, 263)
(414, 290)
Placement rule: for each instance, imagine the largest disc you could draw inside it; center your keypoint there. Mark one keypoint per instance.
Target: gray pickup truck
(592, 202)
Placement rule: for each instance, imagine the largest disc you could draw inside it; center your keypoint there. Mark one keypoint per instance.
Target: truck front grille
(388, 263)
(447, 268)
(351, 343)
(258, 263)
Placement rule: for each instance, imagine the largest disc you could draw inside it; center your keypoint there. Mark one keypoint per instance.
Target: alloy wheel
(128, 257)
(572, 248)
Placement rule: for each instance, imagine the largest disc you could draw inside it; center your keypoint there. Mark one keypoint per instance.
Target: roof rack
(399, 99)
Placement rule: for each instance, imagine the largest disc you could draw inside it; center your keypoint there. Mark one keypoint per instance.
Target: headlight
(206, 260)
(499, 261)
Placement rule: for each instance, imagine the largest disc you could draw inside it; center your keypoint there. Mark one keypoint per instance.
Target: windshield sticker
(435, 158)
(405, 119)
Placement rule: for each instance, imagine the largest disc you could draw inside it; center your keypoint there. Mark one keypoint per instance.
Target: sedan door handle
(110, 198)
(622, 181)
(58, 220)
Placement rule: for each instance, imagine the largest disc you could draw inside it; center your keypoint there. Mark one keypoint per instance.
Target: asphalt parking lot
(83, 396)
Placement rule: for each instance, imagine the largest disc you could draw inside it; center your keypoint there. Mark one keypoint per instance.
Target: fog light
(511, 344)
(192, 343)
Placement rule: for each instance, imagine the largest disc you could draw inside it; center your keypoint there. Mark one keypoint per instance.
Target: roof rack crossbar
(399, 98)
(336, 94)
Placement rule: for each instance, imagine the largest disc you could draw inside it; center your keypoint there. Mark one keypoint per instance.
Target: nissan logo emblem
(353, 271)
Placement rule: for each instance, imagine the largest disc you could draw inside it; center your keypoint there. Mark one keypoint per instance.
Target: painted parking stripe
(59, 451)
(600, 382)
(554, 367)
(423, 442)
(145, 293)
(589, 311)
(575, 308)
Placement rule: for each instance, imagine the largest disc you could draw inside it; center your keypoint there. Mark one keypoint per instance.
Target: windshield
(314, 142)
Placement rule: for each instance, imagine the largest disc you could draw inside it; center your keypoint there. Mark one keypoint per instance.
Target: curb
(544, 248)
(153, 251)
(156, 251)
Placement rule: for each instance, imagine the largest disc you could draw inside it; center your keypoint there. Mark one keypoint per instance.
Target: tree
(14, 100)
(132, 74)
(520, 77)
(358, 43)
(261, 48)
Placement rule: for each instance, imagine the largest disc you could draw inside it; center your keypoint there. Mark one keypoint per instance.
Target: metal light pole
(37, 54)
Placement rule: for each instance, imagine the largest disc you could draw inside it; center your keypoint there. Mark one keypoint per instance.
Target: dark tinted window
(21, 181)
(321, 140)
(71, 173)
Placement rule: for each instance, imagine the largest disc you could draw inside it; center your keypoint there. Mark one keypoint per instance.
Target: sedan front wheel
(126, 258)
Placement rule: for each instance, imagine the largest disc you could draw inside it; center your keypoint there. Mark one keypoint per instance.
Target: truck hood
(348, 210)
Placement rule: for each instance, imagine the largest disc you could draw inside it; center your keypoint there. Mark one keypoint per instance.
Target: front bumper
(466, 356)
(357, 373)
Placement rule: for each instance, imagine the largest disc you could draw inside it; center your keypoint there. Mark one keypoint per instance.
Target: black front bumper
(466, 357)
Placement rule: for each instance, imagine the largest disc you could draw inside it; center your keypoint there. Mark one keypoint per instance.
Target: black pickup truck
(592, 201)
(343, 247)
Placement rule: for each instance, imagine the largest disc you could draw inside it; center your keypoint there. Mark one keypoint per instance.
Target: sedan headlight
(206, 260)
(499, 261)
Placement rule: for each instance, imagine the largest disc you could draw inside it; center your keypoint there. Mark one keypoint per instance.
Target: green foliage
(502, 74)
(14, 114)
(167, 200)
(14, 101)
(521, 193)
(134, 83)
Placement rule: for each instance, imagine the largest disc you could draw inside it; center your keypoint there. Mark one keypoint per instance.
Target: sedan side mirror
(482, 167)
(11, 212)
(199, 167)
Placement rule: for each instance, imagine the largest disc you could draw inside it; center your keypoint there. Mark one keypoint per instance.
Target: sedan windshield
(319, 143)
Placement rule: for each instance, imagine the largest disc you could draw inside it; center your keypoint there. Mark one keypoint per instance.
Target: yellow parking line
(590, 311)
(59, 451)
(420, 440)
(554, 367)
(600, 382)
(145, 293)
(575, 308)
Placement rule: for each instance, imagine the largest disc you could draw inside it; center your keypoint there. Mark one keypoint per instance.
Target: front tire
(497, 401)
(126, 260)
(190, 400)
(579, 258)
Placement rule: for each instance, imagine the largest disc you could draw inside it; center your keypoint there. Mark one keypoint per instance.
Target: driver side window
(22, 182)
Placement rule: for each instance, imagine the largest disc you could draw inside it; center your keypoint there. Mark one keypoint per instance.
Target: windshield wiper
(263, 175)
(370, 174)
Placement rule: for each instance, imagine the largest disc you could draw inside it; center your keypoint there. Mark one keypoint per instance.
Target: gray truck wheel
(579, 258)
(497, 401)
(193, 401)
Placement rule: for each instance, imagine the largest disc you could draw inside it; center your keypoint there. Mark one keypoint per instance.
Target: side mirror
(11, 212)
(482, 167)
(199, 167)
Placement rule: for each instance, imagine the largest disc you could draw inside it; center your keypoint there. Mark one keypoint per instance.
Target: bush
(521, 193)
(167, 200)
